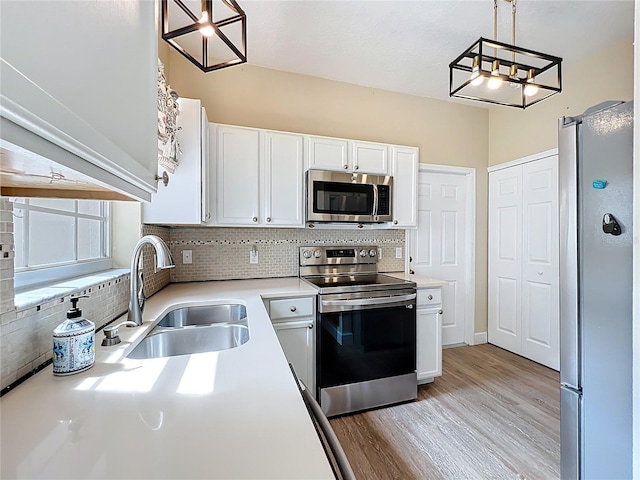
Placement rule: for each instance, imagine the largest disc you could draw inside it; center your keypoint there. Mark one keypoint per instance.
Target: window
(59, 238)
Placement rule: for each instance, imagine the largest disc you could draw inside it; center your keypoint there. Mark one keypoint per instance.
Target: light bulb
(494, 82)
(476, 79)
(530, 90)
(206, 29)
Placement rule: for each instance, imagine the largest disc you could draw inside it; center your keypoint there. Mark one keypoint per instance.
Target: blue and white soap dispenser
(74, 343)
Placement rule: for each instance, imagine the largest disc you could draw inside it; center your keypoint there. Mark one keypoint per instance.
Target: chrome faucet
(136, 295)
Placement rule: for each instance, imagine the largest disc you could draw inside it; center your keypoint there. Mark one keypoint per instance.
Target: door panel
(437, 245)
(523, 260)
(505, 257)
(540, 295)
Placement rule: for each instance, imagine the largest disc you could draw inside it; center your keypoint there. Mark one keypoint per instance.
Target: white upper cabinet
(81, 78)
(237, 176)
(367, 157)
(404, 168)
(259, 177)
(328, 153)
(185, 200)
(348, 155)
(283, 179)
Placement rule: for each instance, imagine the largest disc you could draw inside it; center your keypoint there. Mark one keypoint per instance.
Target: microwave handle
(375, 200)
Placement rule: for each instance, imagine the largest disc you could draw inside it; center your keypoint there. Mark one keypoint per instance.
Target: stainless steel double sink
(199, 329)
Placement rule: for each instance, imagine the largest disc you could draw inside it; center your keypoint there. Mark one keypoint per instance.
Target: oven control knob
(317, 254)
(306, 254)
(363, 253)
(372, 253)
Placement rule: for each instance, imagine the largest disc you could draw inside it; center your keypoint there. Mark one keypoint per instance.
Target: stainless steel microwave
(348, 197)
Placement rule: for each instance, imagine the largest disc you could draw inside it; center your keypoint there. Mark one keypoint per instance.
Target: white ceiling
(406, 46)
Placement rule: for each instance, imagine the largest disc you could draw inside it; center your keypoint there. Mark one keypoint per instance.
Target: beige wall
(606, 75)
(446, 133)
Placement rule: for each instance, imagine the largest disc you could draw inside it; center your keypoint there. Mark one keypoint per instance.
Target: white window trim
(29, 278)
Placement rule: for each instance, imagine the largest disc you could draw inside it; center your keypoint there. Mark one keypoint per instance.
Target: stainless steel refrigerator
(596, 201)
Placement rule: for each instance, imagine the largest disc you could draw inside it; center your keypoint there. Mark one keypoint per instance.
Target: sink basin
(206, 328)
(204, 315)
(184, 341)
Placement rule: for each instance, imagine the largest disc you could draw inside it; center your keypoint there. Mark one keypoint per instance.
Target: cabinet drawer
(291, 307)
(429, 297)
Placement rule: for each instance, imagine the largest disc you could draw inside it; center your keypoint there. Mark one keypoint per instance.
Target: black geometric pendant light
(213, 37)
(496, 72)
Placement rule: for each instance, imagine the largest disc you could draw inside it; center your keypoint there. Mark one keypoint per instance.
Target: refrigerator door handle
(568, 202)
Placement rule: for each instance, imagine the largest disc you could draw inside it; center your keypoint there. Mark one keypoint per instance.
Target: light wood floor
(492, 414)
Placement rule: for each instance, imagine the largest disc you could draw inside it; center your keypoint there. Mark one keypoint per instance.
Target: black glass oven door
(361, 345)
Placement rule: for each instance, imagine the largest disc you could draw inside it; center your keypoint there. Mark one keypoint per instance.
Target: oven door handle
(358, 302)
(328, 439)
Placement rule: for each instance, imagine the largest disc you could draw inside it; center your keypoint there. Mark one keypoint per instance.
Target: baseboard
(479, 338)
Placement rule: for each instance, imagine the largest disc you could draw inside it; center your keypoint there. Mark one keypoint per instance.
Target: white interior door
(505, 258)
(540, 315)
(437, 246)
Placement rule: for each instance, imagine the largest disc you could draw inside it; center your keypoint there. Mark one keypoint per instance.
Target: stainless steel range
(366, 337)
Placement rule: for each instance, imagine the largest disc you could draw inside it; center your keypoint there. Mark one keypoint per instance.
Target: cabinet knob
(345, 166)
(310, 325)
(255, 219)
(356, 167)
(430, 297)
(440, 312)
(268, 219)
(395, 222)
(293, 309)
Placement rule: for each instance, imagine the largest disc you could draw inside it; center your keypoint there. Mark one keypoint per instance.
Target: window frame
(29, 277)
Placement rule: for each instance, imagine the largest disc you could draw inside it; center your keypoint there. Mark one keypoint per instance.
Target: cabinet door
(328, 153)
(237, 176)
(283, 179)
(429, 347)
(205, 183)
(296, 340)
(180, 202)
(404, 168)
(90, 87)
(369, 157)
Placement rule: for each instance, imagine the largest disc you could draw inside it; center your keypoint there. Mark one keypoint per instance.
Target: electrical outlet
(379, 253)
(398, 252)
(253, 256)
(187, 257)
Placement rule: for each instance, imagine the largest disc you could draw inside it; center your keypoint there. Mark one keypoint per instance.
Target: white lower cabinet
(293, 320)
(429, 334)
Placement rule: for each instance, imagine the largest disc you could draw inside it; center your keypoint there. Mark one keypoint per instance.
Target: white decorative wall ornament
(168, 110)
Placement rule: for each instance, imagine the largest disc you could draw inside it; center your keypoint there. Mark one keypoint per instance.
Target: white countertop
(230, 414)
(421, 281)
